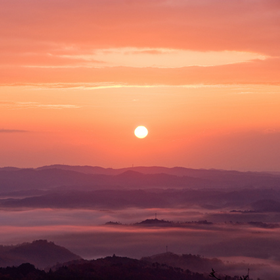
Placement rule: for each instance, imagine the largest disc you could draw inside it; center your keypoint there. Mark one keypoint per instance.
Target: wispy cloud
(162, 57)
(12, 131)
(29, 105)
(251, 72)
(46, 106)
(105, 85)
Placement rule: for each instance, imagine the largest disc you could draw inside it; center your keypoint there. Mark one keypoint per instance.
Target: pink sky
(77, 77)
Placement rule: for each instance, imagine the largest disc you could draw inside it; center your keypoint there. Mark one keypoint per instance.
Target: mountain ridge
(40, 253)
(51, 177)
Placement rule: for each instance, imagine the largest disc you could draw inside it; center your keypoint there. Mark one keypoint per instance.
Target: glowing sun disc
(141, 131)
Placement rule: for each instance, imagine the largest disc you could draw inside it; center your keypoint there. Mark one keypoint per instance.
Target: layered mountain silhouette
(224, 201)
(26, 261)
(78, 187)
(62, 186)
(186, 261)
(198, 263)
(117, 268)
(14, 179)
(40, 253)
(250, 200)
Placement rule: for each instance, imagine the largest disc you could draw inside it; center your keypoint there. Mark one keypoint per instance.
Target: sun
(141, 131)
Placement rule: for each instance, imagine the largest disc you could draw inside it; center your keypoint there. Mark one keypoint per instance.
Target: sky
(77, 77)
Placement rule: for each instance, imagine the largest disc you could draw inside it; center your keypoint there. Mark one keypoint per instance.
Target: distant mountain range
(62, 186)
(177, 171)
(54, 176)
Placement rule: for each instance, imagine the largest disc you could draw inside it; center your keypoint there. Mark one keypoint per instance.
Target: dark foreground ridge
(200, 264)
(109, 268)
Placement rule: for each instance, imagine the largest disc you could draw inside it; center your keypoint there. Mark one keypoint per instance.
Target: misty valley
(191, 219)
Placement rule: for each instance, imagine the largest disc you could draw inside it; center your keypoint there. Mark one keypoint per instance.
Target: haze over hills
(136, 177)
(237, 200)
(40, 253)
(200, 264)
(214, 213)
(61, 186)
(45, 255)
(177, 171)
(64, 264)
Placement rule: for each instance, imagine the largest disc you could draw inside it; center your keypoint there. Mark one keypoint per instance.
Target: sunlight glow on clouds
(163, 58)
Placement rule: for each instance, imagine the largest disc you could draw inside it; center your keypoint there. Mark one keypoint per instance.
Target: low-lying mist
(240, 226)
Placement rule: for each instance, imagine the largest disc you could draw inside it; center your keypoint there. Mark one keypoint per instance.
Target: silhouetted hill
(187, 261)
(121, 268)
(109, 268)
(25, 271)
(40, 253)
(200, 264)
(164, 223)
(154, 222)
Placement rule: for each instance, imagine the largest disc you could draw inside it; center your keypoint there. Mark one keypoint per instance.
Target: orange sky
(77, 77)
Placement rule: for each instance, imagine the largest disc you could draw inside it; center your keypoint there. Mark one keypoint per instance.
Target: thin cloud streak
(13, 131)
(253, 72)
(32, 104)
(47, 106)
(105, 85)
(163, 58)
